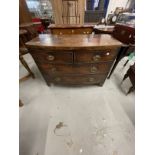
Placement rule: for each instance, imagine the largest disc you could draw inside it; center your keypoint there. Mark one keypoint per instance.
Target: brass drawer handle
(50, 57)
(57, 79)
(91, 79)
(107, 53)
(93, 69)
(72, 31)
(53, 69)
(122, 32)
(84, 32)
(96, 57)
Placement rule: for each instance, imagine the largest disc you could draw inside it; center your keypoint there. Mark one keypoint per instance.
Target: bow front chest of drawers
(74, 59)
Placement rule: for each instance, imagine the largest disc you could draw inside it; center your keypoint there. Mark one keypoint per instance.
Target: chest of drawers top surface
(73, 42)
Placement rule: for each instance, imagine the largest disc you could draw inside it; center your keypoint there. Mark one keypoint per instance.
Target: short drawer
(76, 69)
(83, 31)
(78, 80)
(95, 56)
(54, 57)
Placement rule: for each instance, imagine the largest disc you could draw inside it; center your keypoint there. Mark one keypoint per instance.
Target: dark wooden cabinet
(74, 59)
(124, 33)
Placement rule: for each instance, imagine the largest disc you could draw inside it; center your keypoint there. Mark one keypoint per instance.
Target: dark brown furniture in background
(30, 28)
(23, 38)
(125, 34)
(71, 29)
(74, 59)
(45, 22)
(131, 75)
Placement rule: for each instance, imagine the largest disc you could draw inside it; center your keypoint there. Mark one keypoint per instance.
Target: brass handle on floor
(96, 57)
(93, 69)
(57, 79)
(50, 57)
(91, 79)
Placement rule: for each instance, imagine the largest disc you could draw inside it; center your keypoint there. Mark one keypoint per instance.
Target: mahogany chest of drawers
(74, 59)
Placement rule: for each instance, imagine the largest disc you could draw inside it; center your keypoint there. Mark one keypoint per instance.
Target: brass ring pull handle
(50, 57)
(93, 69)
(107, 53)
(122, 32)
(96, 57)
(91, 79)
(53, 69)
(57, 79)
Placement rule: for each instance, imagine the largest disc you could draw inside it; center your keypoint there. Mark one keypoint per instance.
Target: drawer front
(83, 31)
(78, 80)
(54, 57)
(72, 31)
(61, 31)
(76, 69)
(95, 57)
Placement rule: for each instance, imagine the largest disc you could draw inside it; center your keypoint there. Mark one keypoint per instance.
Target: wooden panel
(96, 56)
(54, 57)
(78, 80)
(24, 14)
(76, 69)
(57, 8)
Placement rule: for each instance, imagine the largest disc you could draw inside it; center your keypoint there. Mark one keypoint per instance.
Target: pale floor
(88, 120)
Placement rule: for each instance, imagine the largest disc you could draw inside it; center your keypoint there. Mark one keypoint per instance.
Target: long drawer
(61, 31)
(99, 68)
(78, 80)
(54, 57)
(95, 56)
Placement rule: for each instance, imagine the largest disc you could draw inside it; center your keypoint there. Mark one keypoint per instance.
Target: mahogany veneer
(74, 59)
